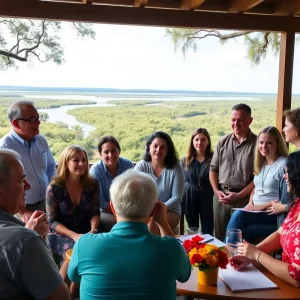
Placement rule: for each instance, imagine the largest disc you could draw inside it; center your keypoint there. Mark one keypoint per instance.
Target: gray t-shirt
(27, 266)
(170, 184)
(267, 182)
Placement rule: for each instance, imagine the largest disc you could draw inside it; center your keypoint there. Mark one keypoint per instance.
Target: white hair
(134, 194)
(15, 110)
(6, 156)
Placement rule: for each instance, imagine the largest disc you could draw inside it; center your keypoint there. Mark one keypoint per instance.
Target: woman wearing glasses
(286, 237)
(197, 200)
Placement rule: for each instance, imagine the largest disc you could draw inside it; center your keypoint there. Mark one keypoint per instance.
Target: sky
(135, 57)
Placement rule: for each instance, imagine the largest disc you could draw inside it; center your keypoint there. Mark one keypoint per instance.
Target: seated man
(27, 268)
(129, 262)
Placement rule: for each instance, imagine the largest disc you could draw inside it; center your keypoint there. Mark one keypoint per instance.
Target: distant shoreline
(70, 90)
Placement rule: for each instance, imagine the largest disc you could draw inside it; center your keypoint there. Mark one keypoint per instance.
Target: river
(60, 114)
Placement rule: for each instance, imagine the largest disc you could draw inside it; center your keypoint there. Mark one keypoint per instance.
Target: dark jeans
(253, 225)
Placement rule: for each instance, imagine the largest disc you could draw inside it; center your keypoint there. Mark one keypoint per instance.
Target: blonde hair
(62, 171)
(281, 151)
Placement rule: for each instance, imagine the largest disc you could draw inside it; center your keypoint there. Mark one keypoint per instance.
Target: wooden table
(192, 289)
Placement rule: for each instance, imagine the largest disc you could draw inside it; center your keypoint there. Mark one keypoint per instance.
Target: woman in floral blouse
(286, 237)
(72, 202)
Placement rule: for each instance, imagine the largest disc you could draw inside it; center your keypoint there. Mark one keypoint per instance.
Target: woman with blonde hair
(197, 199)
(72, 202)
(269, 162)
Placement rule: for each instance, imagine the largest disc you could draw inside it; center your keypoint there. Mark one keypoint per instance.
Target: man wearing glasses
(36, 157)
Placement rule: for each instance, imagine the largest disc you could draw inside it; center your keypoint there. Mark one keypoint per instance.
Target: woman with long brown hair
(197, 200)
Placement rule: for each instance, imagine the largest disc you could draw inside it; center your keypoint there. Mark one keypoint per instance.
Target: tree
(29, 41)
(79, 132)
(258, 44)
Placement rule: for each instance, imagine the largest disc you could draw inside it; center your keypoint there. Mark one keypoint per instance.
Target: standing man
(33, 148)
(27, 267)
(231, 168)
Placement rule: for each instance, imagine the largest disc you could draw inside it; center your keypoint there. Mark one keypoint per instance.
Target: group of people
(138, 211)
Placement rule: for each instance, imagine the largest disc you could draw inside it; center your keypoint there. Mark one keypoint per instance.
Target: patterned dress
(61, 210)
(290, 240)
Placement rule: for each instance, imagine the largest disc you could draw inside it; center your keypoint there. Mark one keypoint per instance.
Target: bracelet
(258, 255)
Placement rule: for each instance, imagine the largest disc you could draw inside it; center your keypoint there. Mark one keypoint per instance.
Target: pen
(207, 241)
(179, 240)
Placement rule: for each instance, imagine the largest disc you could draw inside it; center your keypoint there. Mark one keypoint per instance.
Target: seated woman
(130, 263)
(198, 194)
(104, 171)
(286, 237)
(72, 202)
(161, 162)
(269, 162)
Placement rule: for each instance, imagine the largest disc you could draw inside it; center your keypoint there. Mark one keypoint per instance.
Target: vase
(208, 277)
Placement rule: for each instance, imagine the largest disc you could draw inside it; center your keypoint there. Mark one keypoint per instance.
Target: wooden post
(285, 78)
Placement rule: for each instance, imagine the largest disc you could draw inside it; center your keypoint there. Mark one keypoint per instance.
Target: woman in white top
(270, 159)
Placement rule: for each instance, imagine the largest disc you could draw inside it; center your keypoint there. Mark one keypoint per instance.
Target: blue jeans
(253, 225)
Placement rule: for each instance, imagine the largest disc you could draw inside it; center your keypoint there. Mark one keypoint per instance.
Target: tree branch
(12, 55)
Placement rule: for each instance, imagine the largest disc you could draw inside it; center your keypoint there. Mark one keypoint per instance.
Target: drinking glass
(193, 230)
(233, 237)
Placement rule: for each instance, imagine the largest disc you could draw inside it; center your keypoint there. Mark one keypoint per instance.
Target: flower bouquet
(207, 258)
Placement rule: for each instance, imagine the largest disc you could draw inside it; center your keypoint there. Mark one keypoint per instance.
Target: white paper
(249, 278)
(249, 211)
(206, 238)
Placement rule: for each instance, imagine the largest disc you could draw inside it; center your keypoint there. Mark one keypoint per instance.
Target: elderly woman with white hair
(129, 262)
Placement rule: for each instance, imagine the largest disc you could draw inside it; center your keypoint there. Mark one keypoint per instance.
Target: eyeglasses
(32, 120)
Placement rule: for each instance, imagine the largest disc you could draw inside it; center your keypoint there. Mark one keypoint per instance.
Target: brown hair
(191, 152)
(293, 116)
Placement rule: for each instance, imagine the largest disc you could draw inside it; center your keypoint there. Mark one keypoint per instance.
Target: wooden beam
(285, 80)
(237, 6)
(287, 8)
(190, 4)
(87, 1)
(74, 12)
(140, 3)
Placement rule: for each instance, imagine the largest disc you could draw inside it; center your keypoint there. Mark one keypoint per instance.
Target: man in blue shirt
(129, 262)
(36, 157)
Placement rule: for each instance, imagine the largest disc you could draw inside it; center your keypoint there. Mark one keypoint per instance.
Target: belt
(228, 189)
(36, 203)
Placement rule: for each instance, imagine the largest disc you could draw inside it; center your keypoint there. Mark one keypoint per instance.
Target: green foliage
(34, 40)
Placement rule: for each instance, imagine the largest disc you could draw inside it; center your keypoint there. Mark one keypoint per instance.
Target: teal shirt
(128, 263)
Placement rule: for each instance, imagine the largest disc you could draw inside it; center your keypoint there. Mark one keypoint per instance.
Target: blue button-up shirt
(104, 178)
(38, 162)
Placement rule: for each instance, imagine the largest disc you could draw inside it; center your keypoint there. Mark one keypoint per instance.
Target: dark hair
(293, 116)
(172, 156)
(106, 139)
(244, 107)
(293, 170)
(191, 152)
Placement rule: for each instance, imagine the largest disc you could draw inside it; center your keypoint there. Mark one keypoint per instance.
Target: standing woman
(104, 171)
(198, 194)
(161, 162)
(72, 202)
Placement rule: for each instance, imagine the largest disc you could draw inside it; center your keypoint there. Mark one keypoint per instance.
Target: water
(60, 114)
(232, 249)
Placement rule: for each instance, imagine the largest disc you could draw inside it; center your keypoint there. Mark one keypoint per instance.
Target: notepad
(247, 279)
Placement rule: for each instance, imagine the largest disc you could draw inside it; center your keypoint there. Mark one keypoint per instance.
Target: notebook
(249, 278)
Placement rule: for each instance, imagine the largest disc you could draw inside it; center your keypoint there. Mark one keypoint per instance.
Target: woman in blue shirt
(104, 171)
(161, 162)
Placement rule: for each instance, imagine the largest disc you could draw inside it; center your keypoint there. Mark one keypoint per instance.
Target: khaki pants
(222, 214)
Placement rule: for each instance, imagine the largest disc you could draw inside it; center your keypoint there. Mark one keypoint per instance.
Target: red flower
(196, 259)
(197, 239)
(223, 260)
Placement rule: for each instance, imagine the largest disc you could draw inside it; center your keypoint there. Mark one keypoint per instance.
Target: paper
(250, 211)
(206, 237)
(249, 278)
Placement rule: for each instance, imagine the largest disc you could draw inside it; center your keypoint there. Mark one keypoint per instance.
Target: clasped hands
(245, 254)
(228, 198)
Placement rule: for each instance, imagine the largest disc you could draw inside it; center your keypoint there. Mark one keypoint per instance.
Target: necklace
(263, 178)
(199, 172)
